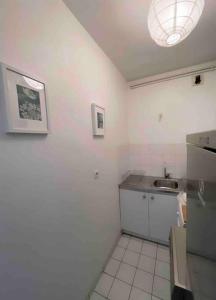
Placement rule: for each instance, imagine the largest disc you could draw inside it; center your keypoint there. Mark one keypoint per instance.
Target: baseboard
(146, 238)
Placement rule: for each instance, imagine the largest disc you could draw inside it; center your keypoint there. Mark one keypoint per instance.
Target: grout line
(130, 249)
(136, 269)
(125, 263)
(132, 285)
(141, 251)
(154, 271)
(114, 277)
(99, 294)
(121, 261)
(157, 276)
(94, 292)
(163, 261)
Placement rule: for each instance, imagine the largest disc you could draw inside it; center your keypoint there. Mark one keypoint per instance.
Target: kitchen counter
(146, 184)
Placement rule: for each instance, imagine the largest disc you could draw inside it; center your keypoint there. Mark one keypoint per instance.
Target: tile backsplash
(150, 159)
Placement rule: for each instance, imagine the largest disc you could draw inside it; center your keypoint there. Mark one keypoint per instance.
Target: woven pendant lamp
(171, 21)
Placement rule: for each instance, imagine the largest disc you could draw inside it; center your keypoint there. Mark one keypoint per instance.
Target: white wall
(57, 223)
(159, 117)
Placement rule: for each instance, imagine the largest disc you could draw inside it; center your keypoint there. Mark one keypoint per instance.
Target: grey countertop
(146, 184)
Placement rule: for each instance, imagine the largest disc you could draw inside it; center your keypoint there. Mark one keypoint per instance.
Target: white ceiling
(120, 29)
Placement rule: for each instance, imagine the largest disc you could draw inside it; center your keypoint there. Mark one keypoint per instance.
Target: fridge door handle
(201, 199)
(201, 186)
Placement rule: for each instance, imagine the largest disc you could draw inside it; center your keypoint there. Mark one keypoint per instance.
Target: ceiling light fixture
(171, 21)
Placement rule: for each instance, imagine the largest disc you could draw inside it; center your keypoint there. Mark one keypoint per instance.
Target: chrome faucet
(166, 175)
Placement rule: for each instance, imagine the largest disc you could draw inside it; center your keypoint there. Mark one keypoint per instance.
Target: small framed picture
(98, 120)
(23, 99)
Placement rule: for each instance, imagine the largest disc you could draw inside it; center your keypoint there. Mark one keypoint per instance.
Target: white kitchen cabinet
(147, 214)
(162, 215)
(134, 212)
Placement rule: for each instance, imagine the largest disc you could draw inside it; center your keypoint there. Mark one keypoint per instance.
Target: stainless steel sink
(166, 184)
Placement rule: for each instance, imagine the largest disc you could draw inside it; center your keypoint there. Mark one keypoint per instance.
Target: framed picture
(23, 99)
(98, 120)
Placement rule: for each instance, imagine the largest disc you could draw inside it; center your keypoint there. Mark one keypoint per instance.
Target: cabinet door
(162, 215)
(134, 212)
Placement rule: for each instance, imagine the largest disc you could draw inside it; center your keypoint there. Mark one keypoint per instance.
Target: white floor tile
(96, 296)
(104, 285)
(155, 298)
(124, 241)
(163, 254)
(131, 258)
(137, 294)
(162, 269)
(126, 273)
(161, 288)
(119, 291)
(118, 253)
(143, 281)
(149, 249)
(146, 263)
(135, 245)
(126, 235)
(112, 267)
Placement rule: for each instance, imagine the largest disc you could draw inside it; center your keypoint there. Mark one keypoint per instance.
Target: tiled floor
(138, 270)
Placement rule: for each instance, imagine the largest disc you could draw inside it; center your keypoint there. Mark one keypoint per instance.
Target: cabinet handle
(201, 186)
(201, 199)
(152, 197)
(144, 196)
